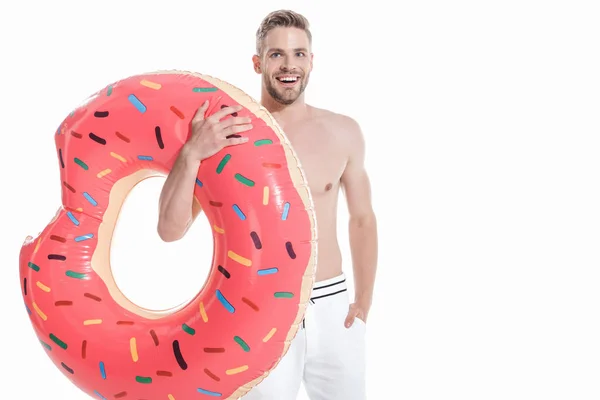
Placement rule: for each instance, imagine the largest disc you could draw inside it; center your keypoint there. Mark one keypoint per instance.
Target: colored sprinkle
(290, 250)
(262, 142)
(84, 237)
(218, 230)
(164, 373)
(76, 135)
(99, 395)
(28, 310)
(72, 218)
(125, 323)
(118, 157)
(97, 138)
(81, 163)
(71, 188)
(101, 114)
(91, 296)
(33, 266)
(159, 138)
(122, 394)
(84, 349)
(269, 335)
(154, 337)
(237, 370)
(46, 345)
(177, 112)
(109, 90)
(215, 203)
(178, 356)
(137, 103)
(58, 257)
(203, 312)
(69, 370)
(267, 271)
(286, 295)
(224, 272)
(92, 322)
(43, 287)
(265, 195)
(170, 396)
(223, 162)
(59, 342)
(240, 259)
(241, 342)
(199, 182)
(90, 199)
(102, 370)
(239, 212)
(145, 158)
(63, 303)
(224, 301)
(133, 349)
(189, 330)
(103, 173)
(271, 165)
(25, 286)
(286, 211)
(76, 275)
(39, 312)
(143, 379)
(209, 373)
(214, 350)
(60, 158)
(208, 392)
(58, 238)
(122, 137)
(250, 304)
(256, 240)
(244, 180)
(151, 85)
(204, 90)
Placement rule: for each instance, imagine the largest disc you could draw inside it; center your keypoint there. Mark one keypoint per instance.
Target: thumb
(199, 116)
(350, 318)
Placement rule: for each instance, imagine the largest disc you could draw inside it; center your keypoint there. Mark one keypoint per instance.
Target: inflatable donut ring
(255, 196)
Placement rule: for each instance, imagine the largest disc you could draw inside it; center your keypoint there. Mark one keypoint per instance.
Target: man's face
(285, 64)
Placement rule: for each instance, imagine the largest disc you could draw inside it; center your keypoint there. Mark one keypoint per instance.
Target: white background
(481, 121)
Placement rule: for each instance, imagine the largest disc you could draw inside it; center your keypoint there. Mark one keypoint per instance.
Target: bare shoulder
(346, 127)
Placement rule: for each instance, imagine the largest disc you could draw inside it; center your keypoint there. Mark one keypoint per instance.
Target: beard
(284, 95)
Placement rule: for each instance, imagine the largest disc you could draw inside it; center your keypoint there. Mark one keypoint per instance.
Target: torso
(319, 144)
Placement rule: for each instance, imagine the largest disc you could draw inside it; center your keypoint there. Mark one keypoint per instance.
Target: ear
(312, 57)
(256, 62)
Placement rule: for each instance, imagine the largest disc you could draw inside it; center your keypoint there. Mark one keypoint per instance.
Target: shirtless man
(328, 352)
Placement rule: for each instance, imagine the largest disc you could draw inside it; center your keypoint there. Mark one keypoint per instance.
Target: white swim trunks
(325, 355)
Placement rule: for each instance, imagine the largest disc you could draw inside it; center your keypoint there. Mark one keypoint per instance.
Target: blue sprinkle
(199, 182)
(28, 310)
(99, 395)
(224, 301)
(145, 158)
(84, 237)
(90, 199)
(286, 210)
(72, 218)
(102, 370)
(209, 393)
(137, 103)
(239, 212)
(267, 271)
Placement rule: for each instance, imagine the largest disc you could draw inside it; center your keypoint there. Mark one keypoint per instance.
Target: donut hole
(153, 274)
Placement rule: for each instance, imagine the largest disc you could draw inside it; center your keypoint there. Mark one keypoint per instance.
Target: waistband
(329, 287)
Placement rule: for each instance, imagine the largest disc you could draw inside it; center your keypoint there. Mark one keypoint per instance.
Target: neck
(283, 111)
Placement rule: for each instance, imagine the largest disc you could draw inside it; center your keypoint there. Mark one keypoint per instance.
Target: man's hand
(356, 310)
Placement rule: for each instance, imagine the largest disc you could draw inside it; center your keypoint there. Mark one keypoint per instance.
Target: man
(328, 352)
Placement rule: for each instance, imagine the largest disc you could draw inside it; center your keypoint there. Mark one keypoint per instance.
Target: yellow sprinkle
(104, 173)
(265, 195)
(203, 312)
(43, 287)
(238, 258)
(237, 370)
(92, 322)
(218, 230)
(151, 85)
(133, 348)
(171, 397)
(269, 335)
(37, 245)
(80, 209)
(117, 156)
(39, 312)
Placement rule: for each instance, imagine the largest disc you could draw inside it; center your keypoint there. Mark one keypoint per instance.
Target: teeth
(288, 79)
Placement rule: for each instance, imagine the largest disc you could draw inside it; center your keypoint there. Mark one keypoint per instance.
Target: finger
(233, 130)
(225, 111)
(235, 140)
(199, 115)
(350, 318)
(234, 121)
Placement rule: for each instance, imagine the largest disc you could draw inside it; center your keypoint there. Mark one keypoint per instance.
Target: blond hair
(284, 19)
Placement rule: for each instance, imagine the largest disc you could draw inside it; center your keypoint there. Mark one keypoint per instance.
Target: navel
(328, 187)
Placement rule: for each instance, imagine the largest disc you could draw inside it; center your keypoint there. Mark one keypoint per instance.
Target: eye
(275, 54)
(300, 54)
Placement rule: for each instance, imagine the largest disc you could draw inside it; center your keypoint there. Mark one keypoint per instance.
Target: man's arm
(356, 186)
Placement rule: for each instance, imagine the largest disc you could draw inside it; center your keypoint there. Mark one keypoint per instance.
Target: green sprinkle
(33, 266)
(143, 379)
(81, 163)
(244, 180)
(287, 295)
(76, 275)
(58, 341)
(241, 342)
(189, 330)
(46, 345)
(204, 90)
(109, 90)
(262, 142)
(223, 162)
